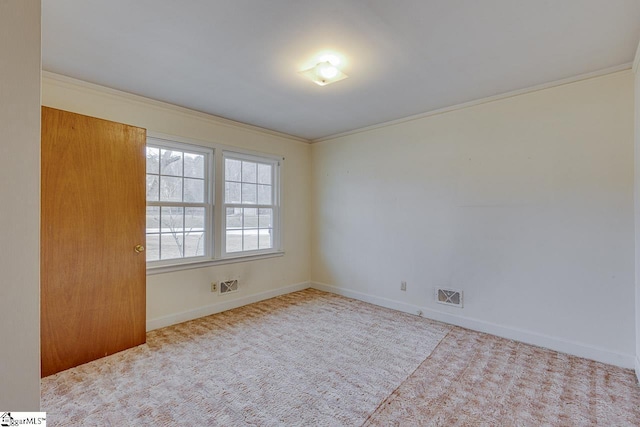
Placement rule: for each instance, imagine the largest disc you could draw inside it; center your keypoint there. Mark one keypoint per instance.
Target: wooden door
(93, 281)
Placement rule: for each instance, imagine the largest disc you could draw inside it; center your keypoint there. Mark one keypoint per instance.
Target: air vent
(228, 286)
(449, 297)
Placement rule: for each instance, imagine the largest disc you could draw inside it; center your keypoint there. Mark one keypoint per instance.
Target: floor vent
(228, 286)
(449, 297)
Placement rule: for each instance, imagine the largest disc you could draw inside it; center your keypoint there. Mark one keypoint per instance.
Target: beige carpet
(475, 379)
(304, 359)
(317, 359)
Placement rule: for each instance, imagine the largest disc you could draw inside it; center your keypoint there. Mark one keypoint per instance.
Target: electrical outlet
(403, 286)
(214, 287)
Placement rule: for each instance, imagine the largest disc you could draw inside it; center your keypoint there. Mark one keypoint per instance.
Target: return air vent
(228, 286)
(449, 297)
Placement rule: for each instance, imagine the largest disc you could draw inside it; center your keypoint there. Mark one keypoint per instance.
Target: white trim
(276, 186)
(181, 144)
(528, 337)
(215, 254)
(160, 269)
(207, 204)
(599, 73)
(636, 60)
(69, 82)
(210, 144)
(250, 156)
(172, 319)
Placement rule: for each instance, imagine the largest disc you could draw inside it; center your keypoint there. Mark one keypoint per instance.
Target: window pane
(153, 219)
(172, 220)
(249, 193)
(266, 218)
(234, 241)
(264, 174)
(250, 240)
(170, 189)
(249, 172)
(194, 244)
(232, 192)
(153, 160)
(152, 247)
(194, 219)
(194, 165)
(194, 190)
(234, 218)
(264, 239)
(171, 162)
(153, 188)
(250, 218)
(180, 177)
(232, 170)
(264, 194)
(171, 244)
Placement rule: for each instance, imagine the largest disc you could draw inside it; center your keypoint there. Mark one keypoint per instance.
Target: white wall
(20, 209)
(525, 204)
(636, 71)
(182, 295)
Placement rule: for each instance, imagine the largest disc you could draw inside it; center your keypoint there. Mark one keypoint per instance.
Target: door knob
(139, 248)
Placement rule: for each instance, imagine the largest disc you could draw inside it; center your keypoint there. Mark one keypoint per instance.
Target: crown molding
(70, 82)
(587, 76)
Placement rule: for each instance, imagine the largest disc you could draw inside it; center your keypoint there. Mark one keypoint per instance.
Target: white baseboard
(638, 368)
(172, 319)
(528, 337)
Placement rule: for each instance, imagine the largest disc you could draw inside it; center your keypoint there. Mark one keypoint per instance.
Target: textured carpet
(308, 358)
(475, 379)
(317, 359)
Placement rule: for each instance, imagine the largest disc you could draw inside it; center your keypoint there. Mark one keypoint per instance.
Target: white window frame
(208, 204)
(216, 215)
(275, 163)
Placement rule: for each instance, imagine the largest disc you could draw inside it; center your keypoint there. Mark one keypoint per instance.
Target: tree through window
(181, 206)
(178, 205)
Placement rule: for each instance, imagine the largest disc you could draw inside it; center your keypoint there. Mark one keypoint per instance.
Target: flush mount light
(324, 72)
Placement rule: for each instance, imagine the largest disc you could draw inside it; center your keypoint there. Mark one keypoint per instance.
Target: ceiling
(240, 59)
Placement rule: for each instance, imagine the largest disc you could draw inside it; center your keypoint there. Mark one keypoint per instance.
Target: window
(193, 218)
(178, 201)
(250, 203)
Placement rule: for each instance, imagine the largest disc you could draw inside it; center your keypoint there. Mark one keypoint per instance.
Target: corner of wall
(528, 337)
(636, 71)
(19, 266)
(636, 60)
(208, 310)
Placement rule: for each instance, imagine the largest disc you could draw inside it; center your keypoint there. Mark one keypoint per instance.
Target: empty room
(339, 213)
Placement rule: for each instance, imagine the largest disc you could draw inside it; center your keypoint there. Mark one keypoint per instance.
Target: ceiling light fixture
(324, 72)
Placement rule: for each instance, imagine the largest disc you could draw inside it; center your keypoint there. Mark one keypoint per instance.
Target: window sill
(209, 263)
